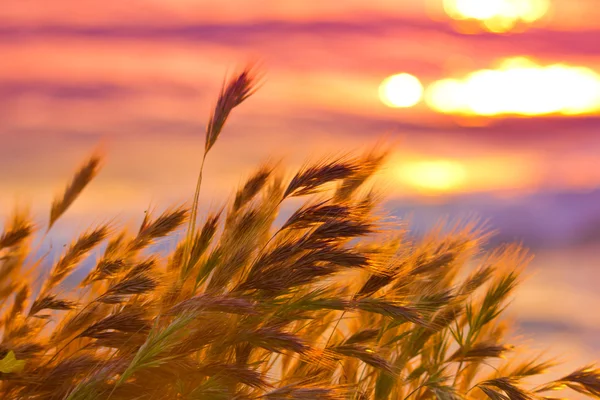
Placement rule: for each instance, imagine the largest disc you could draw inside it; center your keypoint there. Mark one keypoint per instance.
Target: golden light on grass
(433, 175)
(252, 296)
(497, 15)
(519, 87)
(401, 91)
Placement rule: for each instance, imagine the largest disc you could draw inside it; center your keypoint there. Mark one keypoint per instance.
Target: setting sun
(519, 87)
(433, 176)
(497, 15)
(401, 90)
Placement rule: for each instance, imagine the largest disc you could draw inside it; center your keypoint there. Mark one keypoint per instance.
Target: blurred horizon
(503, 123)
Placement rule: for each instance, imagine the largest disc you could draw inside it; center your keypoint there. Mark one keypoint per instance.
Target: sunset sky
(139, 78)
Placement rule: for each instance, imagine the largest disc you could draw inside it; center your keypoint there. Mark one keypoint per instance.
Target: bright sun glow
(497, 15)
(402, 90)
(519, 87)
(433, 176)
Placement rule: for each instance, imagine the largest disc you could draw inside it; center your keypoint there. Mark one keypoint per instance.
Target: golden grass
(335, 303)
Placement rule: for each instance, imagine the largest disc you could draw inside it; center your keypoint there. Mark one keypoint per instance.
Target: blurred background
(492, 109)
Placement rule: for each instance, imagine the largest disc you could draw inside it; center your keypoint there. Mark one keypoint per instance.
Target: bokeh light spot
(401, 90)
(497, 15)
(433, 176)
(519, 87)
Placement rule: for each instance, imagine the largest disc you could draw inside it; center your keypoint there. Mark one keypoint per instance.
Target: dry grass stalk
(237, 89)
(67, 263)
(82, 178)
(19, 229)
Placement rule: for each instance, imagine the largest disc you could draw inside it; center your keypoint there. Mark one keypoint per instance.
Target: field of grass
(335, 303)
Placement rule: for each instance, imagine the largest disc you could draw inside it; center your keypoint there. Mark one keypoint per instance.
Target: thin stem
(332, 332)
(245, 273)
(73, 339)
(359, 381)
(192, 222)
(414, 391)
(271, 363)
(458, 371)
(127, 373)
(61, 349)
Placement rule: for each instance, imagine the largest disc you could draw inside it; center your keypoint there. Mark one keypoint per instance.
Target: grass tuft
(335, 303)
